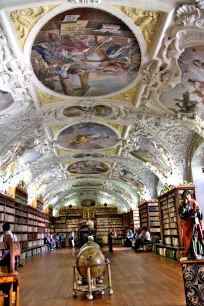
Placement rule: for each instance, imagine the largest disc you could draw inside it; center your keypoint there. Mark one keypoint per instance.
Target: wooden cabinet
(150, 218)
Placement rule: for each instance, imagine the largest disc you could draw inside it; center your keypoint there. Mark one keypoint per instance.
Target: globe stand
(92, 285)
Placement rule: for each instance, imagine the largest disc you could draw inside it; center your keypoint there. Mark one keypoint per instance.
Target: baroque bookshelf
(171, 232)
(104, 218)
(28, 223)
(149, 217)
(134, 219)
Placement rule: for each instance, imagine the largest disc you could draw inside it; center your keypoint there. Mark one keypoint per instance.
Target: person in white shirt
(72, 236)
(147, 235)
(143, 238)
(7, 235)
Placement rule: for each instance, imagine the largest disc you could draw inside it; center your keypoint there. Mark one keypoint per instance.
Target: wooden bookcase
(68, 221)
(126, 221)
(18, 194)
(38, 205)
(150, 218)
(171, 232)
(29, 224)
(134, 219)
(104, 218)
(104, 223)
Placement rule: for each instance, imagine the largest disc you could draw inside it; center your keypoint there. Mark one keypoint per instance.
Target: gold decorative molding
(113, 150)
(146, 20)
(186, 184)
(57, 128)
(45, 98)
(118, 127)
(168, 188)
(21, 185)
(62, 151)
(24, 20)
(40, 198)
(148, 201)
(127, 96)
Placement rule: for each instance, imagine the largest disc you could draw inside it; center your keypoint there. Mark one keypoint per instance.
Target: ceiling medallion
(88, 167)
(85, 52)
(87, 136)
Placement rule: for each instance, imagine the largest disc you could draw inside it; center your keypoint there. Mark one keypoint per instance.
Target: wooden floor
(140, 279)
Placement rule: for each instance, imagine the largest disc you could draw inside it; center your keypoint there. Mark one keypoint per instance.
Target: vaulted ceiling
(100, 100)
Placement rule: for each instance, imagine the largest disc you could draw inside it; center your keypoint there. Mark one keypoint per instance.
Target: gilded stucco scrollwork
(146, 20)
(24, 19)
(45, 98)
(126, 97)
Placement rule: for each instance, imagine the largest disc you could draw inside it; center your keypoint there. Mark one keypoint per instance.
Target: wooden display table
(193, 276)
(11, 280)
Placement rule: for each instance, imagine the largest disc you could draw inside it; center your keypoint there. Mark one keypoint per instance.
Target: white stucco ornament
(15, 75)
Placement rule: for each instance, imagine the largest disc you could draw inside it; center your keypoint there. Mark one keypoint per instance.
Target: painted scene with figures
(85, 52)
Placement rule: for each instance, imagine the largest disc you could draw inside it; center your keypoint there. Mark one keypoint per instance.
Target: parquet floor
(139, 279)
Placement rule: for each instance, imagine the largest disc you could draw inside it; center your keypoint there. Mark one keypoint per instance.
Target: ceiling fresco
(148, 152)
(88, 167)
(22, 154)
(99, 101)
(87, 136)
(128, 176)
(85, 52)
(187, 97)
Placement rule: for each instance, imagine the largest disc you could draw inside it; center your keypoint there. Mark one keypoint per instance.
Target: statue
(191, 222)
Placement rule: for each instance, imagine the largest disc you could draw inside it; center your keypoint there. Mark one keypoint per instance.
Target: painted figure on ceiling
(199, 86)
(87, 56)
(8, 166)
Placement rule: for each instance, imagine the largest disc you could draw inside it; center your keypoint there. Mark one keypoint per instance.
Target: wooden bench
(29, 252)
(169, 251)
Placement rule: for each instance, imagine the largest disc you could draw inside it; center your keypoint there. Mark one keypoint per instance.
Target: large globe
(89, 256)
(90, 243)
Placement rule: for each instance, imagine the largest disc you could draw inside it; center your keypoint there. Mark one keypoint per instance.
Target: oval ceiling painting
(77, 111)
(85, 52)
(88, 167)
(87, 136)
